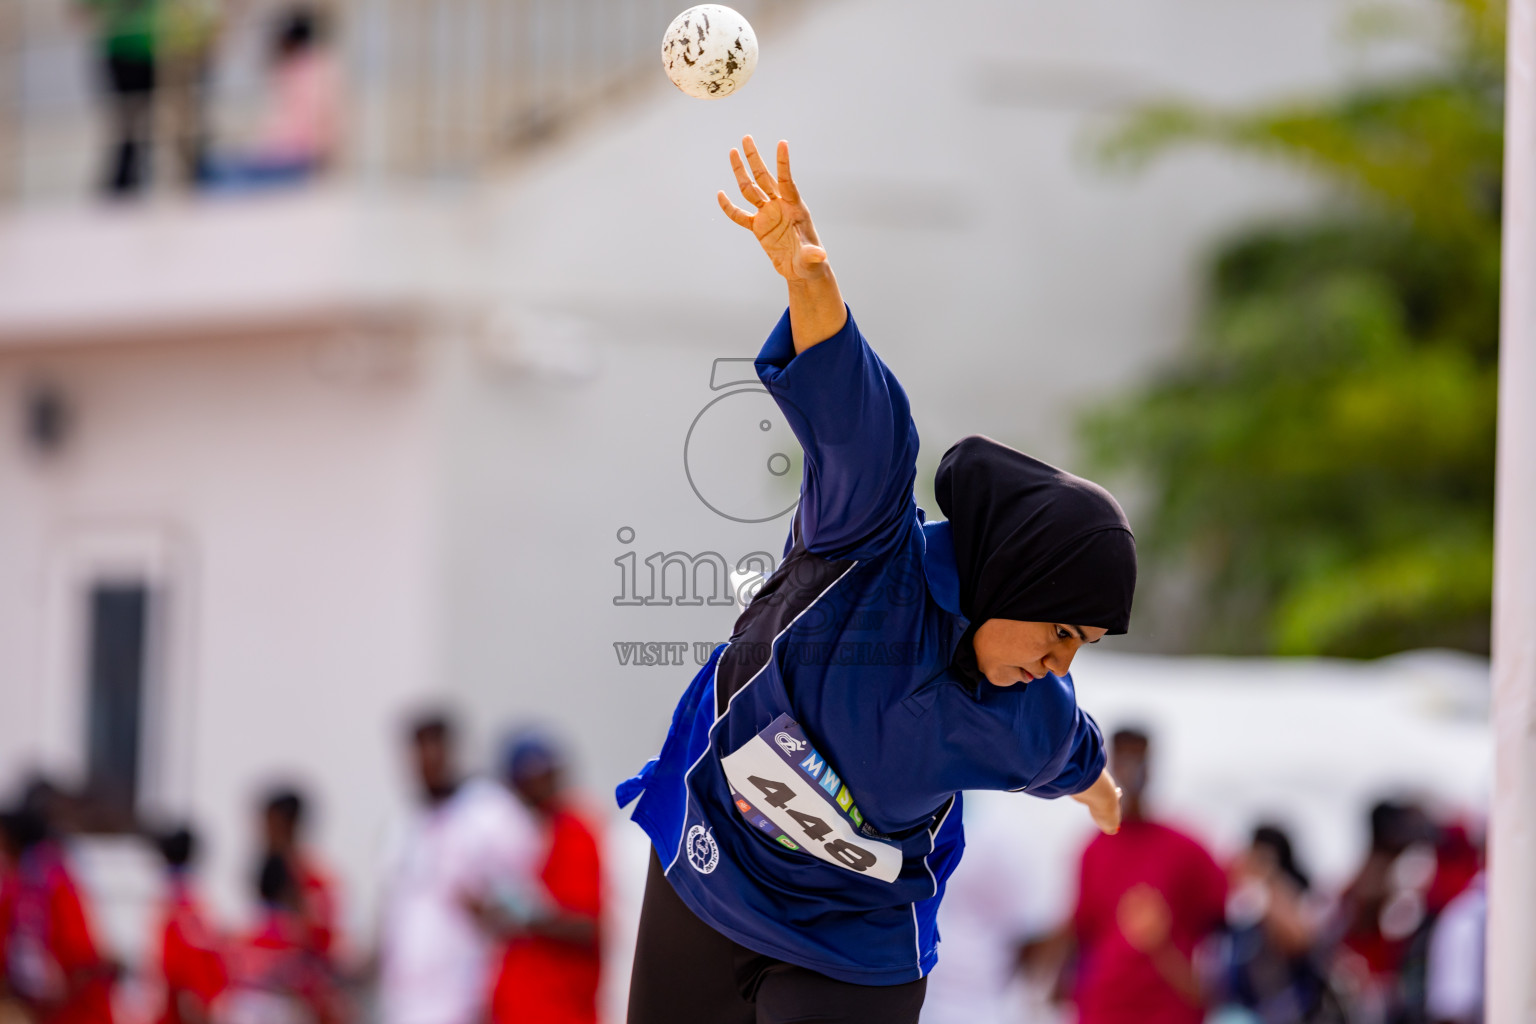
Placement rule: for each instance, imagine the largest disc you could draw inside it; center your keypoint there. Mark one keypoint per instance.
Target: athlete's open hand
(1103, 802)
(782, 224)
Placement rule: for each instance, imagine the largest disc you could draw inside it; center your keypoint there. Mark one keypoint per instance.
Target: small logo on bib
(789, 744)
(703, 851)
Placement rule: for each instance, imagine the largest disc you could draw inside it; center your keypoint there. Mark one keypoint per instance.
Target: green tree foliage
(1320, 458)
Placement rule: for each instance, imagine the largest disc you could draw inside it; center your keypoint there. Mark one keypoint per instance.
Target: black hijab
(1033, 542)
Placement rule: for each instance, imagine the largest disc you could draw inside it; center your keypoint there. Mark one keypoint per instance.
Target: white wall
(285, 508)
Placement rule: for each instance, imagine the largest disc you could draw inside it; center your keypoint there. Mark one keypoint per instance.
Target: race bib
(787, 790)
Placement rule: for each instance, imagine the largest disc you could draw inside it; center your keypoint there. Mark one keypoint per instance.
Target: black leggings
(687, 973)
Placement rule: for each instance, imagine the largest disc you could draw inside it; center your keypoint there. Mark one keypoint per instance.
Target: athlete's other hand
(781, 223)
(1103, 802)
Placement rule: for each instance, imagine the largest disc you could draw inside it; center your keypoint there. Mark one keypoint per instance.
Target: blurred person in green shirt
(126, 37)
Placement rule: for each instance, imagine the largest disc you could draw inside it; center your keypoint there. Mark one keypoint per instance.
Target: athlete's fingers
(787, 187)
(749, 191)
(759, 169)
(791, 193)
(733, 211)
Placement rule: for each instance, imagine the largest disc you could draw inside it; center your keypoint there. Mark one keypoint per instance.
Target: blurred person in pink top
(303, 123)
(300, 130)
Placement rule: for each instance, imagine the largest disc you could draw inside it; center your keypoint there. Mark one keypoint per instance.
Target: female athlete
(804, 811)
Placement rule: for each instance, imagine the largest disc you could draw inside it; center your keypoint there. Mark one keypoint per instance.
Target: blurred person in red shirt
(275, 976)
(9, 1011)
(51, 962)
(282, 821)
(1458, 862)
(192, 967)
(552, 963)
(1414, 869)
(1382, 918)
(1147, 898)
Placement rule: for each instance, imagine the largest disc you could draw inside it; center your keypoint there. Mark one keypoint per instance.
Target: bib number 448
(804, 804)
(777, 794)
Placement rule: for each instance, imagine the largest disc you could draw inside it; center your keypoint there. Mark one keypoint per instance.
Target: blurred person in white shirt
(468, 841)
(1458, 949)
(1000, 906)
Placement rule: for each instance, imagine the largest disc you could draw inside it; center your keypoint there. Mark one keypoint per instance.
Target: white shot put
(709, 51)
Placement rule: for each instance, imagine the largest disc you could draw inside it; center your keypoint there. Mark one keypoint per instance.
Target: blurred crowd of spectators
(155, 62)
(1163, 933)
(493, 905)
(491, 912)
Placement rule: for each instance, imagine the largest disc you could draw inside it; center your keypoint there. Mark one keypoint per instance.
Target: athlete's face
(1009, 651)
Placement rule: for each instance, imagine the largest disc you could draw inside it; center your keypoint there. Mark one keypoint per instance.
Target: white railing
(436, 88)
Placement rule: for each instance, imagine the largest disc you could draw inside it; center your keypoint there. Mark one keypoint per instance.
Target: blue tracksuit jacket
(806, 802)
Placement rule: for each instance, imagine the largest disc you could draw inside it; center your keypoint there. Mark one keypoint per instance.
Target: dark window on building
(119, 647)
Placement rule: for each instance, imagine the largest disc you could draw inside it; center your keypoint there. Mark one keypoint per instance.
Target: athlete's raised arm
(783, 228)
(845, 406)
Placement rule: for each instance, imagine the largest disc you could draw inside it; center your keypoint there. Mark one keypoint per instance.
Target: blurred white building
(276, 469)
